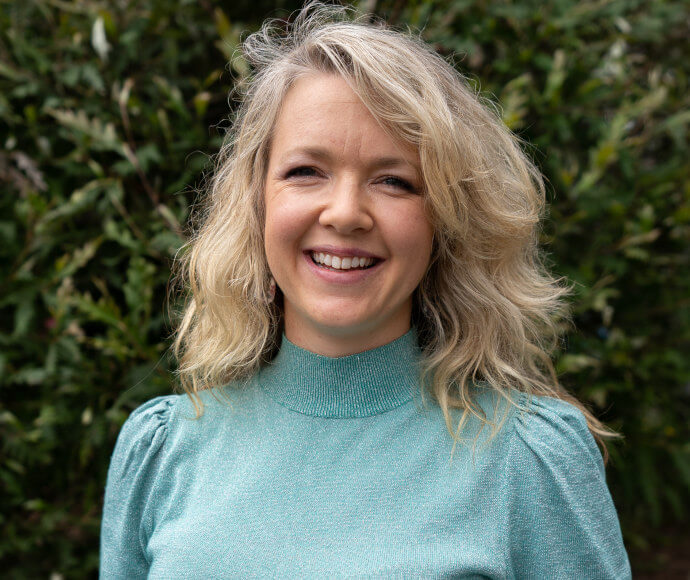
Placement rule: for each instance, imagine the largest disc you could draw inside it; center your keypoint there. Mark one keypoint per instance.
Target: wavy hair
(487, 310)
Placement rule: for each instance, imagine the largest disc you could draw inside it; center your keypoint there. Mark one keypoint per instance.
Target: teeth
(338, 263)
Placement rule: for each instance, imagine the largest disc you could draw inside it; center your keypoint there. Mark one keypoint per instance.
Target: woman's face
(347, 238)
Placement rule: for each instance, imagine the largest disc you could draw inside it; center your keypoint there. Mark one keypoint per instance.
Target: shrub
(109, 117)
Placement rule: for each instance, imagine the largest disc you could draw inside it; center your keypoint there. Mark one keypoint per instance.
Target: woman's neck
(335, 342)
(360, 385)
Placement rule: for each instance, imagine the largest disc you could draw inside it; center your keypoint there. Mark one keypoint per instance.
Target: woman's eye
(301, 172)
(399, 183)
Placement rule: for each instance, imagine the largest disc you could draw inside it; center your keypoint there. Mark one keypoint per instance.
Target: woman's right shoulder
(144, 434)
(151, 416)
(165, 421)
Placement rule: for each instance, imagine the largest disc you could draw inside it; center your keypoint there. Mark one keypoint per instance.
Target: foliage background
(109, 113)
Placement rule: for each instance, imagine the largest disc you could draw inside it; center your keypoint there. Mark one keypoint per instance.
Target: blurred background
(110, 113)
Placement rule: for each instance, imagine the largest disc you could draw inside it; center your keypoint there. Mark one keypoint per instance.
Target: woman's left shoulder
(554, 431)
(563, 520)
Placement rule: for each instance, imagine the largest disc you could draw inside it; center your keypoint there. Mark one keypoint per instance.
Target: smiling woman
(365, 345)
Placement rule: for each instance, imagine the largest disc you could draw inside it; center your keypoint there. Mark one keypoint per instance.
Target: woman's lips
(340, 275)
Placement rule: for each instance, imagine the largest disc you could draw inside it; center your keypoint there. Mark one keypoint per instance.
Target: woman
(365, 344)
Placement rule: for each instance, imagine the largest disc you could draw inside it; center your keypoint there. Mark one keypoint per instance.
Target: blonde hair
(486, 310)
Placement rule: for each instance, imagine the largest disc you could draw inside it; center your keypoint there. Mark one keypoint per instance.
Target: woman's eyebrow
(320, 153)
(323, 154)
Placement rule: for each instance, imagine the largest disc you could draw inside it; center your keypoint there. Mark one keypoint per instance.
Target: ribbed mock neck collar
(360, 385)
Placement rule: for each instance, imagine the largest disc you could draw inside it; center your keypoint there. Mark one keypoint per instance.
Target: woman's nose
(347, 207)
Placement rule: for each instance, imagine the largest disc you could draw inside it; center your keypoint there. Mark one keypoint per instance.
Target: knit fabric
(322, 467)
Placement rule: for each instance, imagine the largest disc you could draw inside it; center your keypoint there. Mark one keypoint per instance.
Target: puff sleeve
(131, 477)
(564, 523)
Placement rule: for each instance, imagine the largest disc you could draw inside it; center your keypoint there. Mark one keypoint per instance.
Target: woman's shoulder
(156, 416)
(167, 420)
(151, 415)
(144, 433)
(555, 432)
(533, 432)
(151, 432)
(556, 475)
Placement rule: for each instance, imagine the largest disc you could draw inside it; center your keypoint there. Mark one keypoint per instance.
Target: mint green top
(322, 467)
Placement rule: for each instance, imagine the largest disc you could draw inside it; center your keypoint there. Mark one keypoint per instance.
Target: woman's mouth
(333, 262)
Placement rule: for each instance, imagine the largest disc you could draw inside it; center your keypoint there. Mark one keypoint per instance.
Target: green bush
(110, 114)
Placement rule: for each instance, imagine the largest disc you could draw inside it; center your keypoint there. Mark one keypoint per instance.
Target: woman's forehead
(321, 115)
